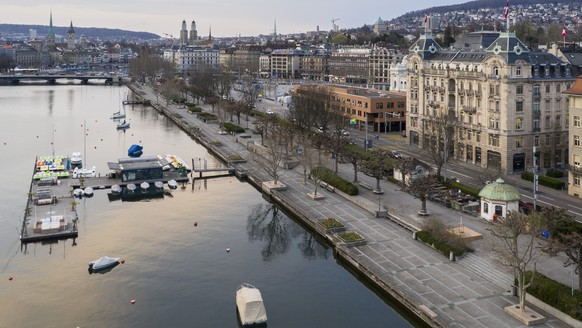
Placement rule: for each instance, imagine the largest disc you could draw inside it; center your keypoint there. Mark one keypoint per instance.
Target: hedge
(451, 184)
(444, 248)
(230, 127)
(194, 109)
(556, 294)
(543, 180)
(555, 174)
(336, 181)
(206, 116)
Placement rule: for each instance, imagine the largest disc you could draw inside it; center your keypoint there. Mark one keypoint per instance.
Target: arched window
(495, 71)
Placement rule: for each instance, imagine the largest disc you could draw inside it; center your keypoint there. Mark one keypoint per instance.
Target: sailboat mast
(84, 164)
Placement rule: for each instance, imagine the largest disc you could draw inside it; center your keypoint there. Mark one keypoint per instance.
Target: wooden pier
(202, 167)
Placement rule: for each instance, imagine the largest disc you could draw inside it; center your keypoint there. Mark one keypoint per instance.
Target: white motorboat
(250, 306)
(123, 125)
(103, 262)
(88, 192)
(84, 173)
(76, 159)
(116, 189)
(117, 115)
(159, 185)
(144, 186)
(131, 187)
(78, 192)
(172, 184)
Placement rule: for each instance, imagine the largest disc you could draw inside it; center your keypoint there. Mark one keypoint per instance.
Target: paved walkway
(469, 292)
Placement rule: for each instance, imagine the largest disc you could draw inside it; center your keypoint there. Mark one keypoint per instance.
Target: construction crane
(334, 27)
(171, 38)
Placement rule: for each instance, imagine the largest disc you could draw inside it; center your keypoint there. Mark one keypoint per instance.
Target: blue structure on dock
(135, 151)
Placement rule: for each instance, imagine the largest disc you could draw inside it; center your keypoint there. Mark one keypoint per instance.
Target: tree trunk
(378, 184)
(355, 173)
(423, 204)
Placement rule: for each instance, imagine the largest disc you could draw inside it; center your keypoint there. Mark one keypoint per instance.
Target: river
(178, 273)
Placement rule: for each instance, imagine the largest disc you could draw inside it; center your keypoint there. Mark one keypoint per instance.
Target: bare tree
(355, 155)
(378, 165)
(249, 94)
(516, 248)
(272, 156)
(421, 187)
(438, 134)
(404, 165)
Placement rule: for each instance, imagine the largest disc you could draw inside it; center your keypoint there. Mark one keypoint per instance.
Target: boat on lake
(135, 151)
(117, 115)
(76, 159)
(123, 125)
(250, 307)
(103, 263)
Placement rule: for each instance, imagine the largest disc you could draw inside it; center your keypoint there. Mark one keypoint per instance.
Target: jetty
(51, 211)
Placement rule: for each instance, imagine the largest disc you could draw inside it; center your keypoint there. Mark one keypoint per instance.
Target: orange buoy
(132, 301)
(122, 261)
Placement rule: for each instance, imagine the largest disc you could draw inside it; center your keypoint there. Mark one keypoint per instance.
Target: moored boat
(76, 159)
(117, 115)
(123, 125)
(250, 307)
(102, 263)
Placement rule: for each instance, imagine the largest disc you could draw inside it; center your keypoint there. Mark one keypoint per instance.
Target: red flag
(507, 10)
(564, 31)
(425, 18)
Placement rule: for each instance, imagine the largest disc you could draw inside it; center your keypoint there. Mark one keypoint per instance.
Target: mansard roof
(426, 46)
(510, 47)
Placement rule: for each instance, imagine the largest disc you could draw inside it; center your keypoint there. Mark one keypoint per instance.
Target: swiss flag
(506, 10)
(564, 31)
(425, 18)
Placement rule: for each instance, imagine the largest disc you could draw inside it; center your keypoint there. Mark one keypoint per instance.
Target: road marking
(457, 173)
(576, 207)
(546, 197)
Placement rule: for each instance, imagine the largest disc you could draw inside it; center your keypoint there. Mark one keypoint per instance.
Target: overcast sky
(225, 17)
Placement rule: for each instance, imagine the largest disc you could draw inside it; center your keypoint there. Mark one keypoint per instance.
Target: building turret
(183, 34)
(51, 33)
(193, 33)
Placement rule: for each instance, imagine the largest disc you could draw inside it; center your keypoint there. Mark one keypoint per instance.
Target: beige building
(382, 111)
(500, 98)
(575, 149)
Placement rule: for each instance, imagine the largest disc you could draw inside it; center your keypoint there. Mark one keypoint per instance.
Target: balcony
(470, 110)
(574, 168)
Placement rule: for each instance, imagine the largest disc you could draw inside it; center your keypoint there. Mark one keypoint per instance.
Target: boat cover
(135, 151)
(250, 305)
(103, 262)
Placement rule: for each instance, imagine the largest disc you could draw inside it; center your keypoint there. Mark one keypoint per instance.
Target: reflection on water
(178, 272)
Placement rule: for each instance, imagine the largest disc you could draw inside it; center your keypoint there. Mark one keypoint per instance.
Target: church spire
(51, 33)
(210, 33)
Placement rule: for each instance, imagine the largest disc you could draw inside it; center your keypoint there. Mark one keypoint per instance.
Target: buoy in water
(122, 261)
(132, 301)
(228, 250)
(195, 223)
(10, 278)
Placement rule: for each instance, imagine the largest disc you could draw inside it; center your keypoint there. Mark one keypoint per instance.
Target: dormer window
(518, 71)
(496, 71)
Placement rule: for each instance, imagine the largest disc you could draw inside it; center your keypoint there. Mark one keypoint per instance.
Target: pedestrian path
(470, 292)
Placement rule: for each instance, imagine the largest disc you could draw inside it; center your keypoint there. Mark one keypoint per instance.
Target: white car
(270, 112)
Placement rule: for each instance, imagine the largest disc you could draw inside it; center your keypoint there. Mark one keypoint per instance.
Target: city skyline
(226, 19)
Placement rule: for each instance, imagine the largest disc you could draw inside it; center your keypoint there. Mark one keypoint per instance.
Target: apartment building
(575, 146)
(189, 58)
(501, 100)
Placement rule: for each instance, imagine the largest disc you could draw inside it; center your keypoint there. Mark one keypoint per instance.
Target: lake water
(179, 274)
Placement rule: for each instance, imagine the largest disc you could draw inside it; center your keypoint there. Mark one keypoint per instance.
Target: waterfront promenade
(469, 292)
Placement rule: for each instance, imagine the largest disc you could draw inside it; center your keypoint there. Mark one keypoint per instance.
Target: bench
(365, 185)
(327, 186)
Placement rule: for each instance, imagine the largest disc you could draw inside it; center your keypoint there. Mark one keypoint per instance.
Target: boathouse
(139, 169)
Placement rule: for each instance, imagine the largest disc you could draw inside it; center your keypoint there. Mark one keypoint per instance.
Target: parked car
(270, 112)
(396, 154)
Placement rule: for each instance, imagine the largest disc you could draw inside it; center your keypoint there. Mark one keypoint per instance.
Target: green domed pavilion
(497, 199)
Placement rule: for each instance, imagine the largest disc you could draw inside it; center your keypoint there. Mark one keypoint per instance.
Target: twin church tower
(184, 39)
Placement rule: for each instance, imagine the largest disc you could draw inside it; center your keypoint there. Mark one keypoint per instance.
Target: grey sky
(225, 17)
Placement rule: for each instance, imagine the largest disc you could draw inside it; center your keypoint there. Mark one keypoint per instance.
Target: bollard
(451, 256)
(414, 235)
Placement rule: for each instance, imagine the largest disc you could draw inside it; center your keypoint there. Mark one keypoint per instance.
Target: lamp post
(366, 141)
(535, 173)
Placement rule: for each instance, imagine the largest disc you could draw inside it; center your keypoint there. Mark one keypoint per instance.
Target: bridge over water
(61, 79)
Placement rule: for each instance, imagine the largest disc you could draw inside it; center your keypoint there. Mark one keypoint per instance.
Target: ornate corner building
(503, 102)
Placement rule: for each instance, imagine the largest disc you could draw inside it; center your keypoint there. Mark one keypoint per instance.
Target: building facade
(500, 99)
(575, 134)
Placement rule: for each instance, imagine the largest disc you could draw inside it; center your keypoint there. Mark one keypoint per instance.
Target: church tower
(193, 33)
(51, 33)
(183, 34)
(71, 37)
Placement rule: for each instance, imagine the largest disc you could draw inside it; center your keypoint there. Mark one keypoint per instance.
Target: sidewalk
(470, 292)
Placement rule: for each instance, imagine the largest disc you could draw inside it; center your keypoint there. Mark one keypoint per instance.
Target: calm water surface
(178, 274)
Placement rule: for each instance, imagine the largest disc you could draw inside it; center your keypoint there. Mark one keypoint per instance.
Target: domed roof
(498, 190)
